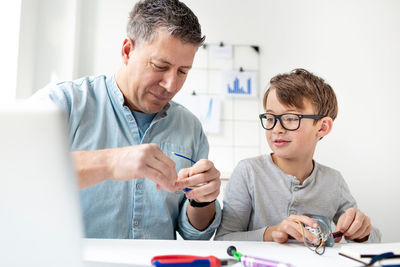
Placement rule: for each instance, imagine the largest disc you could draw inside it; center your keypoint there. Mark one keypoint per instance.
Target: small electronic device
(323, 232)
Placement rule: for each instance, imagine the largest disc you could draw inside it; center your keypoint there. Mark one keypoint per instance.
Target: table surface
(140, 252)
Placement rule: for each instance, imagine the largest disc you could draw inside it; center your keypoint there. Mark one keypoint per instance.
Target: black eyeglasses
(289, 121)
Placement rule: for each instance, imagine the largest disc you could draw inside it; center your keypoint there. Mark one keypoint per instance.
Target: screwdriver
(189, 261)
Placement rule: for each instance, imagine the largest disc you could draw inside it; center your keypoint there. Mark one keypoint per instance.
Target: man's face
(298, 144)
(155, 72)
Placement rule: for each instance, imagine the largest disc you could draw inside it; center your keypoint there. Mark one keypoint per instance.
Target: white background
(354, 45)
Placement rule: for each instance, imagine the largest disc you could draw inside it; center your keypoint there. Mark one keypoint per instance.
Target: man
(123, 129)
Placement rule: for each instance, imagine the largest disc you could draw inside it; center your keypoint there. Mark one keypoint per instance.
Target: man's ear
(127, 48)
(326, 124)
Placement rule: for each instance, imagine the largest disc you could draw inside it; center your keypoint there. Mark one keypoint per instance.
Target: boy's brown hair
(292, 88)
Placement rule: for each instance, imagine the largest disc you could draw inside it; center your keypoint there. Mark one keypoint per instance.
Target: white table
(140, 252)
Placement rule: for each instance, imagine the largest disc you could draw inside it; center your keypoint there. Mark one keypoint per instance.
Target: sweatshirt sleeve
(238, 208)
(348, 201)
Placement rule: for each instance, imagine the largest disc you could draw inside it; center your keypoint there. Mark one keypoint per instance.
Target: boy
(267, 196)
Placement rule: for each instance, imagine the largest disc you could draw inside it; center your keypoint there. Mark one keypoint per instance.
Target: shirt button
(138, 186)
(130, 117)
(296, 188)
(136, 223)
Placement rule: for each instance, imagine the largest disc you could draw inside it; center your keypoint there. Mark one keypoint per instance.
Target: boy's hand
(355, 225)
(290, 227)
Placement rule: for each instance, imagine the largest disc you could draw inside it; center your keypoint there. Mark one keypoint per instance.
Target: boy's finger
(361, 232)
(359, 222)
(304, 219)
(346, 220)
(280, 237)
(337, 239)
(293, 229)
(310, 236)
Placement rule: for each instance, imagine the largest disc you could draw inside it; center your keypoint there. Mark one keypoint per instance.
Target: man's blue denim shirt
(98, 119)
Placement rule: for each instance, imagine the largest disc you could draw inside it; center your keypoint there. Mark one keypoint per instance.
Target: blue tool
(182, 156)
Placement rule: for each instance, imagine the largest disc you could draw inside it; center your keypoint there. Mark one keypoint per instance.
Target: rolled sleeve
(187, 231)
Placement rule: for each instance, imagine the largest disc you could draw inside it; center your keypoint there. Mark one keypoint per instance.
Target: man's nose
(170, 81)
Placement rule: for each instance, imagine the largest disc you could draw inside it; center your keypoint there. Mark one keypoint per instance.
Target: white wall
(9, 26)
(354, 45)
(47, 43)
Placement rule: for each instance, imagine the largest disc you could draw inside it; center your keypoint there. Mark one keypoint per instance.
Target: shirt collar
(307, 181)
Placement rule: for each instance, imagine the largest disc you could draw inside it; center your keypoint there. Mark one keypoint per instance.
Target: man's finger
(164, 165)
(159, 178)
(201, 166)
(204, 193)
(197, 179)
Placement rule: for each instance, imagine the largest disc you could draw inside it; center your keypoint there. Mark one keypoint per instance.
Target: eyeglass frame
(278, 117)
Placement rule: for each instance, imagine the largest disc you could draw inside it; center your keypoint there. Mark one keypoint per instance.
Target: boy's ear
(127, 46)
(325, 128)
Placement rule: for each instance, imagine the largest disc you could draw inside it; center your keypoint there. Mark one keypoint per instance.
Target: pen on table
(182, 156)
(249, 261)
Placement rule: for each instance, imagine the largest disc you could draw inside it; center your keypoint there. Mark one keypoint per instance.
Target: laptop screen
(40, 221)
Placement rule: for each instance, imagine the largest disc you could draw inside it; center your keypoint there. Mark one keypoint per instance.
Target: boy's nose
(278, 127)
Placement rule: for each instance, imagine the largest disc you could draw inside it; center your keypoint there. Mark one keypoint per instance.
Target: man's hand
(203, 178)
(355, 225)
(146, 160)
(126, 163)
(290, 227)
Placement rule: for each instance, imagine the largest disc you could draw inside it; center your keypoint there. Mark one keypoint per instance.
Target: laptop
(40, 217)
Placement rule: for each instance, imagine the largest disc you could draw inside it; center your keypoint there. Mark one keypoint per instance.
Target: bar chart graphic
(239, 84)
(237, 89)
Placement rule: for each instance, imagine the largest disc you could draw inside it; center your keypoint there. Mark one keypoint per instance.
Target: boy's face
(292, 145)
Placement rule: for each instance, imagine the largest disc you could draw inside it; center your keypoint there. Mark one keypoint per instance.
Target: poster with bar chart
(240, 83)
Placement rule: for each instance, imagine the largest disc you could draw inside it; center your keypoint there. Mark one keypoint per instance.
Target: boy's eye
(270, 119)
(291, 118)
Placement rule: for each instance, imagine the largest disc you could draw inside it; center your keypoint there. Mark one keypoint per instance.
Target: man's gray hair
(148, 16)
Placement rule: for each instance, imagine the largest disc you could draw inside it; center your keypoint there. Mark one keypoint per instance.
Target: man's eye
(158, 67)
(183, 72)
